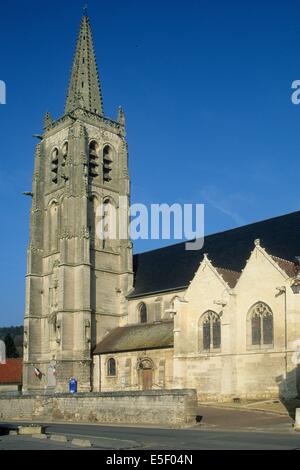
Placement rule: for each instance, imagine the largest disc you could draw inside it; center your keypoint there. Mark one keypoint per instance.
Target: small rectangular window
(111, 368)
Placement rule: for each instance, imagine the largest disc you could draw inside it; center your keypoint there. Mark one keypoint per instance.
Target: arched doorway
(146, 373)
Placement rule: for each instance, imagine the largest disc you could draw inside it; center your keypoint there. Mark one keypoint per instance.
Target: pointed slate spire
(84, 88)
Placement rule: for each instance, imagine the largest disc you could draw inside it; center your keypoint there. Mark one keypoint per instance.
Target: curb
(81, 442)
(58, 438)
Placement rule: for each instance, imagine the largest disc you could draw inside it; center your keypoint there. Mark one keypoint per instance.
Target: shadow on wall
(289, 390)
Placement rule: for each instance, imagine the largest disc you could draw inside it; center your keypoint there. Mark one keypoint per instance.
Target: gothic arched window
(107, 163)
(210, 331)
(143, 313)
(111, 367)
(261, 319)
(93, 159)
(54, 165)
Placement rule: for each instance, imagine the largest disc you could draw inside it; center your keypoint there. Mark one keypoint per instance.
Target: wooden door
(147, 379)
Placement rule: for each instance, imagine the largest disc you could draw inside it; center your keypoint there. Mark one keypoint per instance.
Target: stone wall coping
(114, 394)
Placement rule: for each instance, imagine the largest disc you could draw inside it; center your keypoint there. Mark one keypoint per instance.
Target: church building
(224, 320)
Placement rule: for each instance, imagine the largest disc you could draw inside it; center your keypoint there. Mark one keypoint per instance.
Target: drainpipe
(285, 334)
(282, 290)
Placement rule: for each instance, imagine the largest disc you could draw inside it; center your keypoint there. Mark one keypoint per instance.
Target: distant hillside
(16, 332)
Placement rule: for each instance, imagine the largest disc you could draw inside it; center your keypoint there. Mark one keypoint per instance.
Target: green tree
(11, 350)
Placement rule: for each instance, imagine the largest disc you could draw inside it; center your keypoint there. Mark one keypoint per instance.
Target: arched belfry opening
(107, 163)
(94, 159)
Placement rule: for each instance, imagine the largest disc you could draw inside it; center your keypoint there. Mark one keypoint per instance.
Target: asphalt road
(275, 436)
(112, 438)
(219, 430)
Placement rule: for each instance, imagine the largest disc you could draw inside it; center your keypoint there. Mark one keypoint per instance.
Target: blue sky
(206, 89)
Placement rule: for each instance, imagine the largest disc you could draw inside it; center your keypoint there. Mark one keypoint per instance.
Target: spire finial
(48, 120)
(85, 9)
(121, 116)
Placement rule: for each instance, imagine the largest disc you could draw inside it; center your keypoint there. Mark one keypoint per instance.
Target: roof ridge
(10, 360)
(131, 325)
(171, 267)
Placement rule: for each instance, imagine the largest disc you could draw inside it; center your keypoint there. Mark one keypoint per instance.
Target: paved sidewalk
(244, 417)
(269, 406)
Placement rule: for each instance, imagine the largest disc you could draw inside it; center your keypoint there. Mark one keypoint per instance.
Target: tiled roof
(11, 372)
(138, 337)
(230, 277)
(173, 267)
(287, 266)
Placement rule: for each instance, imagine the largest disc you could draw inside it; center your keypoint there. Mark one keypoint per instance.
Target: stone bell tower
(76, 282)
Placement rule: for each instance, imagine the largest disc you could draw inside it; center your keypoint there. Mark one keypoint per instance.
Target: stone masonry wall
(164, 407)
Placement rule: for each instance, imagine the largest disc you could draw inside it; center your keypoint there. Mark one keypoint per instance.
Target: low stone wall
(157, 407)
